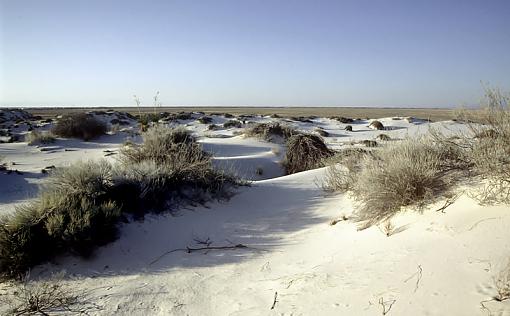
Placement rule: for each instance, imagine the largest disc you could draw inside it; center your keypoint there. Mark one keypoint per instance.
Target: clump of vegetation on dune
(79, 125)
(305, 152)
(268, 131)
(233, 123)
(489, 147)
(80, 206)
(411, 173)
(416, 172)
(36, 137)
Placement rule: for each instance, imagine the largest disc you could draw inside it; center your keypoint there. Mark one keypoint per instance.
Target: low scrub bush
(412, 173)
(305, 152)
(488, 147)
(54, 296)
(268, 131)
(36, 138)
(79, 125)
(376, 125)
(79, 207)
(233, 123)
(342, 119)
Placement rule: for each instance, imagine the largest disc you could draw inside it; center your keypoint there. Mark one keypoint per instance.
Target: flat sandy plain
(434, 114)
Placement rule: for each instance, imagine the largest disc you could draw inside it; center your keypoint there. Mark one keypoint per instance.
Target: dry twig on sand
(208, 247)
(275, 300)
(386, 305)
(418, 279)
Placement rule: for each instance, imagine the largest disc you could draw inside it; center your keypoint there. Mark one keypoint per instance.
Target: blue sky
(244, 52)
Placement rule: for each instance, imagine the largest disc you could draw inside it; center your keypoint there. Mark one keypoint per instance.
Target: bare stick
(418, 279)
(386, 305)
(275, 300)
(190, 250)
(447, 203)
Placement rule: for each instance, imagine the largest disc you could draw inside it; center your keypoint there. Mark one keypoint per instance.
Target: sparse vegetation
(305, 152)
(383, 137)
(79, 206)
(369, 143)
(342, 119)
(46, 297)
(36, 137)
(233, 123)
(79, 125)
(502, 284)
(268, 131)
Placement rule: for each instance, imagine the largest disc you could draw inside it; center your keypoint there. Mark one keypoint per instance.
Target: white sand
(435, 264)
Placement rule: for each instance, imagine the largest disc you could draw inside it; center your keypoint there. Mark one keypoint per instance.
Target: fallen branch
(419, 274)
(275, 300)
(448, 202)
(190, 250)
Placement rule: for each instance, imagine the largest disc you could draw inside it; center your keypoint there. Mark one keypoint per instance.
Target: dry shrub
(369, 143)
(36, 137)
(410, 173)
(79, 125)
(376, 125)
(502, 284)
(268, 131)
(383, 137)
(305, 152)
(159, 142)
(486, 147)
(342, 119)
(233, 123)
(489, 151)
(53, 296)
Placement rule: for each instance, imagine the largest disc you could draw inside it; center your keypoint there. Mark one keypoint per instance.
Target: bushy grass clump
(412, 173)
(488, 147)
(79, 125)
(36, 138)
(305, 152)
(80, 206)
(268, 131)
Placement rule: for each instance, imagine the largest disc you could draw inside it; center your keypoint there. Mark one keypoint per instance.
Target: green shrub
(79, 125)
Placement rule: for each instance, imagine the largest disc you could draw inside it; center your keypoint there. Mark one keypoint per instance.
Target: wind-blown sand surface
(295, 263)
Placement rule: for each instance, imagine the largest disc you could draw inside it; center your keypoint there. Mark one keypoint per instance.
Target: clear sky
(431, 53)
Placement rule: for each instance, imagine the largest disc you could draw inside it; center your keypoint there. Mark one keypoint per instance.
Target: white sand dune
(295, 262)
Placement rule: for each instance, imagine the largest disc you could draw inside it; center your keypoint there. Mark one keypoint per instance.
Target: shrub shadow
(257, 217)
